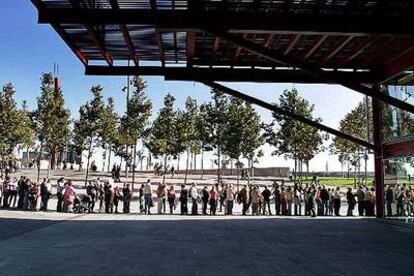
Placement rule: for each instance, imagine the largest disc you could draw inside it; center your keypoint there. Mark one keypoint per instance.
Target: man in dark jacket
(44, 195)
(266, 200)
(325, 201)
(389, 198)
(276, 193)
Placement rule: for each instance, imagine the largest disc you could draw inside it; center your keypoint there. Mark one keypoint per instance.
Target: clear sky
(27, 49)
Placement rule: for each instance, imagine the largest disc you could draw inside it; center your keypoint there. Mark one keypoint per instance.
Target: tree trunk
(165, 169)
(109, 159)
(126, 159)
(27, 159)
(87, 164)
(202, 163)
(195, 161)
(186, 166)
(238, 173)
(296, 167)
(218, 164)
(133, 166)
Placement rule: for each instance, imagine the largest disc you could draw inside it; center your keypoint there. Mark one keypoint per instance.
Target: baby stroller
(81, 204)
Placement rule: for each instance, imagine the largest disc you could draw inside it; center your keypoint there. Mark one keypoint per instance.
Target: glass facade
(398, 124)
(399, 184)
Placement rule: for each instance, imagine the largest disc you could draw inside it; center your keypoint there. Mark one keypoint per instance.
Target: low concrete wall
(272, 171)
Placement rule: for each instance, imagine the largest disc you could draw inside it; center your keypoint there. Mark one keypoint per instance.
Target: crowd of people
(279, 199)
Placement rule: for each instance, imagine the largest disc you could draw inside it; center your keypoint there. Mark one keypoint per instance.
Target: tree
(354, 124)
(187, 132)
(136, 119)
(215, 122)
(160, 141)
(89, 126)
(10, 120)
(53, 118)
(109, 129)
(27, 131)
(242, 135)
(294, 139)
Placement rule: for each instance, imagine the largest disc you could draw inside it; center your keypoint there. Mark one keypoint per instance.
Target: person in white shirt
(12, 193)
(194, 197)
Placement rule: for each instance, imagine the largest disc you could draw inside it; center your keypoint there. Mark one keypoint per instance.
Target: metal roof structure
(367, 41)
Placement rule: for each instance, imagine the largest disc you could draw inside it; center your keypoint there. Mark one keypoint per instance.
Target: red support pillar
(379, 167)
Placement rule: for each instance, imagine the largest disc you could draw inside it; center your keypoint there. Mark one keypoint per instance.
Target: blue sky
(27, 49)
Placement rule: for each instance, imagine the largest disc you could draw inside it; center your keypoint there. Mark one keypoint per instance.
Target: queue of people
(297, 200)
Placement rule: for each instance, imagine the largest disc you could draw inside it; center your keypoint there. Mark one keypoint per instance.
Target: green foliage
(52, 117)
(294, 139)
(354, 124)
(89, 126)
(138, 111)
(10, 120)
(110, 123)
(161, 138)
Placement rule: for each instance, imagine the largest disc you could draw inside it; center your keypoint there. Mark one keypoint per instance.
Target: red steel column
(379, 167)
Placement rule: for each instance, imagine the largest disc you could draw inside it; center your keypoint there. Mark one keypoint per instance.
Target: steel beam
(64, 35)
(235, 21)
(286, 113)
(310, 69)
(127, 37)
(225, 74)
(378, 156)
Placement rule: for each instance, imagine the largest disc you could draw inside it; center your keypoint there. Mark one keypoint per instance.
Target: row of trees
(227, 126)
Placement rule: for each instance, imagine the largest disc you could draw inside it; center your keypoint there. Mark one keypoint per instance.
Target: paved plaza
(70, 244)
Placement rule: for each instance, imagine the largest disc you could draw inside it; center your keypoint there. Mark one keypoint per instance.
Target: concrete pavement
(69, 244)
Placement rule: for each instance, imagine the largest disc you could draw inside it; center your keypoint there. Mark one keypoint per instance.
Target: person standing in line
(243, 198)
(91, 190)
(59, 193)
(297, 202)
(204, 198)
(141, 199)
(229, 199)
(311, 201)
(194, 197)
(171, 199)
(331, 201)
(68, 196)
(26, 188)
(350, 198)
(109, 199)
(6, 192)
(361, 201)
(389, 199)
(324, 195)
(276, 194)
(283, 202)
(367, 202)
(117, 198)
(266, 200)
(148, 198)
(337, 201)
(20, 185)
(255, 198)
(126, 197)
(213, 200)
(44, 195)
(12, 193)
(101, 196)
(222, 196)
(161, 198)
(183, 200)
